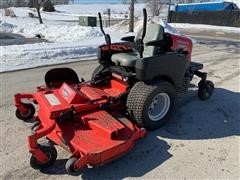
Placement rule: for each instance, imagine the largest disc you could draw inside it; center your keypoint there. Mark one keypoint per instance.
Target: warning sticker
(52, 99)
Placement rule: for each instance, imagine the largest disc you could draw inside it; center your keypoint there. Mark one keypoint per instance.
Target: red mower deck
(91, 134)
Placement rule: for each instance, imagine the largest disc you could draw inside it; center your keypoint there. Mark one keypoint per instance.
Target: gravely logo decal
(65, 94)
(67, 91)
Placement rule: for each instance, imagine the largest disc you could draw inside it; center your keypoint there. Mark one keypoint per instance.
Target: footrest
(104, 123)
(195, 66)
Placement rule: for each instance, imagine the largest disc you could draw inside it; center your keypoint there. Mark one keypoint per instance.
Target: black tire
(69, 166)
(54, 78)
(28, 115)
(205, 90)
(50, 151)
(140, 99)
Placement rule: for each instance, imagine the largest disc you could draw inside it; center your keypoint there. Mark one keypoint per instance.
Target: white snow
(237, 2)
(54, 33)
(122, 27)
(66, 40)
(26, 56)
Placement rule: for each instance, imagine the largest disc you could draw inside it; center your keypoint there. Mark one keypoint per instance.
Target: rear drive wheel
(50, 151)
(28, 114)
(151, 105)
(205, 90)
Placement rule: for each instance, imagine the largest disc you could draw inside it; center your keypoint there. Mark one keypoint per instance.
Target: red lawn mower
(133, 89)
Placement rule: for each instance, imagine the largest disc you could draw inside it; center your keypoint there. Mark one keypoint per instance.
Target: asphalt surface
(212, 35)
(7, 39)
(200, 142)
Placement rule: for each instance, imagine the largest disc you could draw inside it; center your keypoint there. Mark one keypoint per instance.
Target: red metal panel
(93, 93)
(182, 42)
(72, 95)
(103, 122)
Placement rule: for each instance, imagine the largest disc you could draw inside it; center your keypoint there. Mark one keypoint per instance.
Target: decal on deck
(52, 99)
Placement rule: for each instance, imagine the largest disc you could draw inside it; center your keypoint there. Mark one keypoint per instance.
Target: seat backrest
(153, 32)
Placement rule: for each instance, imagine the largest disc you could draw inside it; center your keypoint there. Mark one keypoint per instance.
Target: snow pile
(237, 2)
(34, 55)
(6, 27)
(123, 26)
(55, 33)
(67, 41)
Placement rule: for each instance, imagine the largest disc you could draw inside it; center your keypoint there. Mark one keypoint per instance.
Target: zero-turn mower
(132, 90)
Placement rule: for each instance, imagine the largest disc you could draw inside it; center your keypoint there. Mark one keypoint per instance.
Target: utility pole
(131, 23)
(169, 9)
(109, 17)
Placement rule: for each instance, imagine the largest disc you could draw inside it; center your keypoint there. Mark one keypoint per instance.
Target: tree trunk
(39, 16)
(30, 4)
(131, 23)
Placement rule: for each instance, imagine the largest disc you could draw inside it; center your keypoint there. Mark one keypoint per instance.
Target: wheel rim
(26, 113)
(159, 106)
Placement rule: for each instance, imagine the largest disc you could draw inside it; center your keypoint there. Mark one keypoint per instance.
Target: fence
(220, 18)
(16, 3)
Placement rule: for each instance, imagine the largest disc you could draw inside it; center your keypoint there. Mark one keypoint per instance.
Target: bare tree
(155, 6)
(20, 3)
(36, 4)
(47, 6)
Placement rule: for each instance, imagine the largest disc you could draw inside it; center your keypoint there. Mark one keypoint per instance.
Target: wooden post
(169, 9)
(131, 23)
(109, 17)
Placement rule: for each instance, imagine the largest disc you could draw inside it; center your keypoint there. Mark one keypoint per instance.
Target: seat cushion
(125, 59)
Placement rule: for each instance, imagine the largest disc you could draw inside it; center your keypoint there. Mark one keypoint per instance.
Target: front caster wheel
(205, 90)
(51, 153)
(28, 114)
(69, 166)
